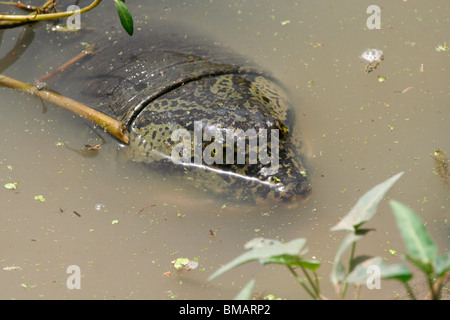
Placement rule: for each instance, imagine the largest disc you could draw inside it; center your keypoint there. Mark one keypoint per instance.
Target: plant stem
(113, 126)
(439, 283)
(409, 290)
(350, 261)
(317, 281)
(313, 285)
(302, 283)
(434, 293)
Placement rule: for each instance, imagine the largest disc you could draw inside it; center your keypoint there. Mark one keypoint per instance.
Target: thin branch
(81, 55)
(111, 125)
(46, 16)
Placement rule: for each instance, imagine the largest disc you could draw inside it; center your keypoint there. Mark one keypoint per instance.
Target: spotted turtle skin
(157, 82)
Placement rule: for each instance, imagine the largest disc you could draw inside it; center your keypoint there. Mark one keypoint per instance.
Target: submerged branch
(111, 125)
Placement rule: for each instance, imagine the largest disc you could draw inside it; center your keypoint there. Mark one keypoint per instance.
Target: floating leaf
(180, 263)
(442, 47)
(421, 249)
(284, 253)
(246, 292)
(11, 185)
(366, 207)
(40, 198)
(125, 17)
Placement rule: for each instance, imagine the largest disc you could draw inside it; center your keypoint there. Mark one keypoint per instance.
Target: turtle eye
(302, 187)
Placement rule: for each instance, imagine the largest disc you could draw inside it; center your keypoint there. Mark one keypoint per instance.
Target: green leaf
(180, 263)
(293, 261)
(11, 185)
(338, 273)
(442, 264)
(246, 292)
(310, 264)
(421, 249)
(125, 17)
(40, 198)
(366, 207)
(366, 269)
(271, 251)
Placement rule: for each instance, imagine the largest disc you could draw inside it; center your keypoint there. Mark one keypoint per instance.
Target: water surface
(357, 132)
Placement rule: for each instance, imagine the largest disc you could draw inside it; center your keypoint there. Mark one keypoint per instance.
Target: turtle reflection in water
(157, 85)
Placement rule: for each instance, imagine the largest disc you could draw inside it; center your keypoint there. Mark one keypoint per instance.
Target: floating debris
(184, 263)
(180, 263)
(99, 206)
(442, 47)
(7, 268)
(406, 89)
(442, 168)
(11, 185)
(40, 198)
(374, 57)
(142, 209)
(93, 148)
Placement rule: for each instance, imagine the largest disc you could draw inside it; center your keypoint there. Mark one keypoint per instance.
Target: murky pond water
(130, 223)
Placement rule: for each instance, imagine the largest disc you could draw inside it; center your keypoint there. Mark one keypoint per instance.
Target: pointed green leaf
(125, 17)
(266, 254)
(293, 261)
(338, 273)
(421, 249)
(442, 264)
(309, 264)
(370, 268)
(366, 207)
(246, 292)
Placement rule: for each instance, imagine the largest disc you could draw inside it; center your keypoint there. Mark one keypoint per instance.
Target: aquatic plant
(421, 252)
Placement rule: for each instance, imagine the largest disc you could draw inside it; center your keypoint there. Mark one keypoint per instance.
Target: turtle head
(291, 180)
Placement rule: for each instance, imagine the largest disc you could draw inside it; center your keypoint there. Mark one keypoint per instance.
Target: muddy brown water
(357, 132)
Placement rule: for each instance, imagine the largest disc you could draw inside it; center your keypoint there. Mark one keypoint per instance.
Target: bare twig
(75, 59)
(142, 209)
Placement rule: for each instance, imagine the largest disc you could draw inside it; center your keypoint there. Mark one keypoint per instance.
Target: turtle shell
(181, 97)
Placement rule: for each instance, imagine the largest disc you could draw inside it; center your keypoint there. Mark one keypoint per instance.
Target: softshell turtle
(182, 97)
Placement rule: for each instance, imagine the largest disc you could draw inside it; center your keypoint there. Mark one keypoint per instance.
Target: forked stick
(111, 125)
